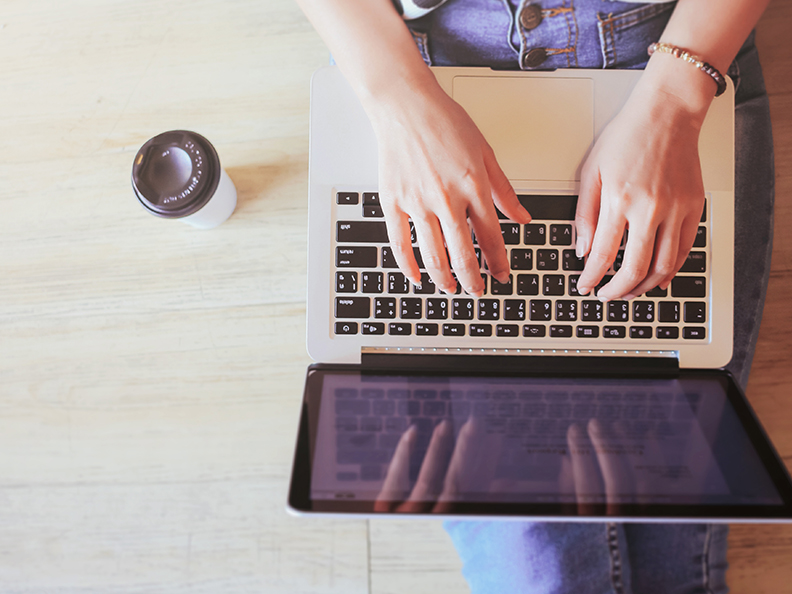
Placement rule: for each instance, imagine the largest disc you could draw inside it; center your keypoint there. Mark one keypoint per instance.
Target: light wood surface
(150, 373)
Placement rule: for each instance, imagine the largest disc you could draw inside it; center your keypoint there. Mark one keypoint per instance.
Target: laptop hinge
(544, 361)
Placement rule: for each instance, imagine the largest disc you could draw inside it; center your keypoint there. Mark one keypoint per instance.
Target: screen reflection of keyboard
(370, 421)
(372, 297)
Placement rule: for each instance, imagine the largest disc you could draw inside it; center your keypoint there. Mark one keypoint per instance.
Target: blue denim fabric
(609, 558)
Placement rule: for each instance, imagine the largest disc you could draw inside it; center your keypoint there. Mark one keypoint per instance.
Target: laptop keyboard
(371, 296)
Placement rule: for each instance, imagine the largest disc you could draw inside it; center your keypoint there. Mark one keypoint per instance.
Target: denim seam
(612, 532)
(705, 561)
(510, 31)
(636, 16)
(605, 26)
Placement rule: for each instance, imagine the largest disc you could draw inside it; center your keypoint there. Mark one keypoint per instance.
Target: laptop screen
(447, 444)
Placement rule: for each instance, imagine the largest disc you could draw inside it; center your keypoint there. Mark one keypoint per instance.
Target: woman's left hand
(643, 175)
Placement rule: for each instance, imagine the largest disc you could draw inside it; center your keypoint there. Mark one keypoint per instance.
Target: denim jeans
(509, 556)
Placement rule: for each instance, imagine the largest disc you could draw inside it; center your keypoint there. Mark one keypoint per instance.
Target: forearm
(372, 47)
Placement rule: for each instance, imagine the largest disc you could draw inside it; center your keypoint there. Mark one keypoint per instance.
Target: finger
(401, 241)
(589, 489)
(397, 480)
(490, 239)
(587, 213)
(635, 265)
(458, 467)
(503, 195)
(687, 236)
(607, 239)
(663, 261)
(433, 252)
(463, 257)
(432, 473)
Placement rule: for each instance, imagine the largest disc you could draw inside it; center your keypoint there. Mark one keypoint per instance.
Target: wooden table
(151, 372)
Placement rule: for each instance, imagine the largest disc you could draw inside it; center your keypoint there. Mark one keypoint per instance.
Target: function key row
(513, 330)
(543, 310)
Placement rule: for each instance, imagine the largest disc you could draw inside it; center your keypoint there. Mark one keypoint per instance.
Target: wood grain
(150, 373)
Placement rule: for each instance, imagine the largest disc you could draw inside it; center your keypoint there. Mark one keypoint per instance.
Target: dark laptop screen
(452, 444)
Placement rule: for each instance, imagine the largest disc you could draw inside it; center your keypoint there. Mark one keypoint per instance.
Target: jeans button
(531, 16)
(534, 57)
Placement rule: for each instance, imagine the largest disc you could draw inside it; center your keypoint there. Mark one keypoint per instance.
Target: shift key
(361, 232)
(352, 307)
(350, 256)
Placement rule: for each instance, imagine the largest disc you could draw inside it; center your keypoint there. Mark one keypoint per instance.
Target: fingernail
(580, 247)
(629, 296)
(583, 290)
(476, 294)
(603, 298)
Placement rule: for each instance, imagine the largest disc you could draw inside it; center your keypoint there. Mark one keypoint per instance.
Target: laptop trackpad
(540, 128)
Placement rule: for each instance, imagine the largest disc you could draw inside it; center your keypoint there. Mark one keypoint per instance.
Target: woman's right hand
(436, 169)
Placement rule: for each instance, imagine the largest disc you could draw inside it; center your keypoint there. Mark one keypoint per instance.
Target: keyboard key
(398, 283)
(570, 261)
(510, 233)
(372, 328)
(507, 330)
(670, 332)
(408, 408)
(540, 310)
(488, 309)
(695, 262)
(374, 393)
(657, 292)
(356, 257)
(554, 208)
(453, 329)
(587, 331)
(547, 259)
(399, 329)
(591, 311)
(535, 234)
(640, 332)
(347, 198)
(553, 284)
(384, 307)
(689, 286)
(643, 311)
(346, 282)
(614, 332)
(434, 408)
(411, 308)
(617, 263)
(462, 309)
(534, 331)
(527, 284)
(560, 331)
(352, 307)
(573, 280)
(618, 311)
(481, 329)
(373, 212)
(701, 237)
(692, 332)
(371, 199)
(514, 309)
(426, 329)
(605, 280)
(352, 407)
(498, 288)
(560, 234)
(361, 232)
(388, 259)
(521, 259)
(695, 312)
(437, 309)
(427, 285)
(371, 282)
(668, 311)
(566, 310)
(346, 327)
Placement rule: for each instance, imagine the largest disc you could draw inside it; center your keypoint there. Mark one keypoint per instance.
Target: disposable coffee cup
(177, 175)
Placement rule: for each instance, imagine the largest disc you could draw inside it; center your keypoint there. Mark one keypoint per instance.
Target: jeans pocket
(624, 37)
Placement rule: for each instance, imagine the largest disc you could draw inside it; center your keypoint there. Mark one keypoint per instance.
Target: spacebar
(558, 208)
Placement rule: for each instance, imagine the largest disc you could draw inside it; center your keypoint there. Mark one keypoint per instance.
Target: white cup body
(218, 209)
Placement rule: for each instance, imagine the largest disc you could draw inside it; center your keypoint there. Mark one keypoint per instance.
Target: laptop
(531, 401)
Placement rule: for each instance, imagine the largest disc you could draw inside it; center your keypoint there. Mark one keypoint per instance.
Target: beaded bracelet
(706, 68)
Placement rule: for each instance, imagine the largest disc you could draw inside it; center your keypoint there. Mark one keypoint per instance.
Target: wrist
(681, 83)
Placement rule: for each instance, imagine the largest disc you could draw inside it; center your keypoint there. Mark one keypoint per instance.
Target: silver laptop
(557, 389)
